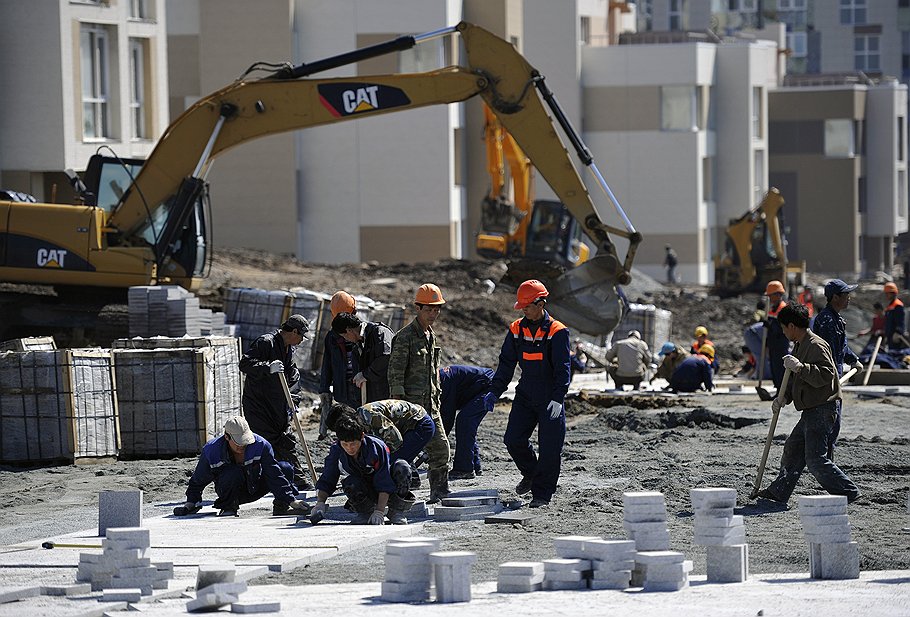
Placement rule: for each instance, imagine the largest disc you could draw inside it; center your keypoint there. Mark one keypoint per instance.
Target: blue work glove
(489, 401)
(555, 409)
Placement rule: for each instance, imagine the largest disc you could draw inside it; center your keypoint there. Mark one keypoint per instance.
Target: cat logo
(361, 99)
(51, 258)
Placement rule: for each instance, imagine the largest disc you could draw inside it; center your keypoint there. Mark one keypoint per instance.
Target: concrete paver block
(452, 570)
(655, 508)
(132, 537)
(236, 588)
(255, 607)
(728, 564)
(403, 573)
(12, 594)
(463, 502)
(479, 492)
(827, 537)
(119, 509)
(566, 565)
(613, 566)
(712, 496)
(565, 575)
(720, 512)
(724, 522)
(529, 568)
(465, 513)
(520, 579)
(121, 595)
(518, 587)
(839, 561)
(144, 587)
(668, 572)
(510, 517)
(210, 602)
(550, 585)
(66, 590)
(659, 557)
(813, 501)
(823, 510)
(642, 497)
(605, 550)
(400, 547)
(210, 574)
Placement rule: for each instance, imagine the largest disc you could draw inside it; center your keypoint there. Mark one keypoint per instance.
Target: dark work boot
(415, 479)
(524, 486)
(399, 506)
(439, 485)
(457, 474)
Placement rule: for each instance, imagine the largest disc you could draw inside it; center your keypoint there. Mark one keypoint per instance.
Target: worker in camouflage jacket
(414, 377)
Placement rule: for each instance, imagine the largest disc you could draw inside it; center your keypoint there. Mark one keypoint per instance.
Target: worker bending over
(462, 407)
(695, 372)
(701, 338)
(629, 360)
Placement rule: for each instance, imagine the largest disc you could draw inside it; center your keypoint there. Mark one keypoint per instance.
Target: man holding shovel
(814, 390)
(833, 328)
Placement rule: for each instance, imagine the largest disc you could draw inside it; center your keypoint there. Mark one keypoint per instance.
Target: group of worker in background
(392, 405)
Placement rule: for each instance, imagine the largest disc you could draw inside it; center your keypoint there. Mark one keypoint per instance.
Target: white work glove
(276, 366)
(776, 405)
(377, 518)
(320, 508)
(359, 379)
(555, 409)
(792, 364)
(859, 366)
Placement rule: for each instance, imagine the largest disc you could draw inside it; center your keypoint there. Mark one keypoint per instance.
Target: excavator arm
(160, 201)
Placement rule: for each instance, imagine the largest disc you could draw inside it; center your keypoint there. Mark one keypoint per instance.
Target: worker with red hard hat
(778, 344)
(538, 344)
(894, 318)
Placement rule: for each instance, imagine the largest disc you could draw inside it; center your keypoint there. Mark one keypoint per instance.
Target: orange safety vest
(772, 312)
(696, 345)
(807, 303)
(541, 335)
(894, 304)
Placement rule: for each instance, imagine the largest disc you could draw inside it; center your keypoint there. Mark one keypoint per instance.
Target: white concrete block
(462, 502)
(644, 517)
(133, 537)
(814, 501)
(711, 496)
(235, 588)
(614, 566)
(529, 568)
(642, 497)
(549, 585)
(121, 595)
(728, 564)
(612, 583)
(448, 514)
(403, 573)
(728, 540)
(571, 547)
(144, 587)
(649, 558)
(66, 590)
(409, 560)
(606, 550)
(119, 509)
(564, 575)
(668, 572)
(91, 557)
(410, 587)
(653, 543)
(656, 527)
(566, 565)
(840, 561)
(210, 602)
(723, 522)
(666, 586)
(520, 579)
(209, 574)
(655, 508)
(419, 596)
(416, 540)
(415, 549)
(453, 582)
(255, 607)
(828, 537)
(725, 512)
(616, 575)
(19, 593)
(824, 520)
(823, 511)
(518, 587)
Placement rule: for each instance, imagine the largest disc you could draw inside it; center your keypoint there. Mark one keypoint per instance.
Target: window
(902, 193)
(853, 12)
(584, 30)
(791, 5)
(758, 168)
(677, 108)
(707, 178)
(95, 82)
(839, 139)
(796, 43)
(675, 14)
(139, 9)
(758, 115)
(742, 6)
(905, 54)
(866, 53)
(900, 138)
(138, 107)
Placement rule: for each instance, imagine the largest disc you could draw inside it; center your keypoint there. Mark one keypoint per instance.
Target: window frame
(138, 103)
(96, 102)
(853, 12)
(865, 54)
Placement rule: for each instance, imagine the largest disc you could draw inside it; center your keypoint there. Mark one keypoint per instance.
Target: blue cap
(667, 348)
(837, 286)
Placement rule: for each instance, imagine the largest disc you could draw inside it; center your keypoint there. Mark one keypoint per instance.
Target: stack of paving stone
(520, 577)
(722, 532)
(216, 587)
(408, 572)
(468, 505)
(612, 562)
(31, 343)
(664, 570)
(563, 574)
(123, 568)
(832, 554)
(452, 574)
(645, 522)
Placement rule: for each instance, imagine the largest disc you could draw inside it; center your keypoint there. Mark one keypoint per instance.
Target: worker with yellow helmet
(701, 338)
(695, 372)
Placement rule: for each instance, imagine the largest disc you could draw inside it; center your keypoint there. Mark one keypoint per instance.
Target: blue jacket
(833, 328)
(778, 343)
(258, 461)
(894, 319)
(335, 370)
(264, 404)
(461, 384)
(692, 373)
(371, 464)
(542, 353)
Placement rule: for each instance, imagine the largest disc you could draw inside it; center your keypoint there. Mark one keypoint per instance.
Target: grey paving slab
(512, 516)
(14, 593)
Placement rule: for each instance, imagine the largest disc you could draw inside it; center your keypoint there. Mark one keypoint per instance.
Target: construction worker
(814, 389)
(807, 298)
(629, 359)
(243, 467)
(414, 377)
(578, 357)
(701, 338)
(877, 329)
(336, 379)
(672, 356)
(894, 318)
(373, 345)
(371, 482)
(462, 407)
(671, 259)
(694, 372)
(539, 344)
(264, 403)
(832, 328)
(777, 343)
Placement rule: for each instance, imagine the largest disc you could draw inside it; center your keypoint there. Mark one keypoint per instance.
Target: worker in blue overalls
(462, 407)
(540, 345)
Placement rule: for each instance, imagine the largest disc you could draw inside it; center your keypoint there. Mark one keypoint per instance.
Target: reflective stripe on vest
(775, 311)
(894, 304)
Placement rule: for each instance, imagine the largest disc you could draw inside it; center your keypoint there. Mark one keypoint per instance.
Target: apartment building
(78, 76)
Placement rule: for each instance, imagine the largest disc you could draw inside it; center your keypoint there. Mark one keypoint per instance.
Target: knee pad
(401, 475)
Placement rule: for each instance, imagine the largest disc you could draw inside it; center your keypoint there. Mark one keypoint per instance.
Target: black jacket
(374, 360)
(264, 404)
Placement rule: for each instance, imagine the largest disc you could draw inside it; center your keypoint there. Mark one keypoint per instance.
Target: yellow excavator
(520, 227)
(755, 251)
(140, 223)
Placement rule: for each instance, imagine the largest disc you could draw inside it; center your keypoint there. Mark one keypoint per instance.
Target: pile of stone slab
(722, 532)
(520, 577)
(123, 571)
(657, 568)
(473, 505)
(216, 587)
(832, 554)
(413, 565)
(171, 310)
(664, 570)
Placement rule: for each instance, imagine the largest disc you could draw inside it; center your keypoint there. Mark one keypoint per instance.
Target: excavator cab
(554, 235)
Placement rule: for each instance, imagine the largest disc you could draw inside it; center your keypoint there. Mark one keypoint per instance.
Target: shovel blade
(764, 394)
(585, 297)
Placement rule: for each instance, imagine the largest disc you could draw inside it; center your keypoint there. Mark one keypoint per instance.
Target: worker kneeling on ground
(406, 428)
(694, 372)
(243, 467)
(672, 356)
(632, 358)
(370, 484)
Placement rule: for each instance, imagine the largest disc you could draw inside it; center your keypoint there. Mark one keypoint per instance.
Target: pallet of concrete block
(224, 373)
(31, 343)
(314, 306)
(166, 400)
(163, 310)
(255, 311)
(57, 405)
(474, 505)
(653, 323)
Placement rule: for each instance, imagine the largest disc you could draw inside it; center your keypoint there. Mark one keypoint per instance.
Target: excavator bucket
(586, 296)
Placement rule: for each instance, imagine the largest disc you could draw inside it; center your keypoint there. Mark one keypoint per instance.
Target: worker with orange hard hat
(894, 317)
(778, 344)
(538, 344)
(414, 377)
(339, 359)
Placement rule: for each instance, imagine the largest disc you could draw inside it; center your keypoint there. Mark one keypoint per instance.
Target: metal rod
(435, 34)
(207, 152)
(609, 192)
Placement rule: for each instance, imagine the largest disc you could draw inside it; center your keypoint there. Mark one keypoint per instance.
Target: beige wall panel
(410, 244)
(816, 104)
(183, 71)
(636, 108)
(379, 65)
(686, 246)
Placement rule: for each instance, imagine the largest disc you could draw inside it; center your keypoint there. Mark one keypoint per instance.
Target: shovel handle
(293, 408)
(781, 396)
(878, 343)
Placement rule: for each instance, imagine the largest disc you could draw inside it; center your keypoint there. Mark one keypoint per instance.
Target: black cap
(837, 286)
(296, 322)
